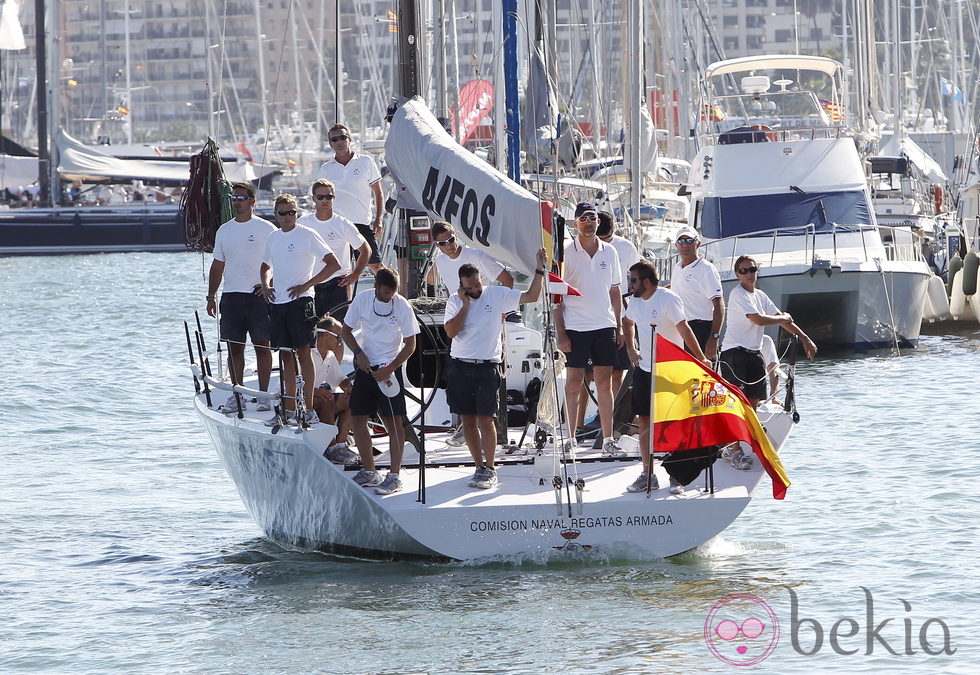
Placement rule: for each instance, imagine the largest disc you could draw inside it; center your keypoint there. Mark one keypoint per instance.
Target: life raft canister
(971, 264)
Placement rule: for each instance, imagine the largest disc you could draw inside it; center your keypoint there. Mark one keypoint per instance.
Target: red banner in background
(475, 103)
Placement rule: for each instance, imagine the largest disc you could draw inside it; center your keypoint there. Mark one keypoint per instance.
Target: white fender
(937, 304)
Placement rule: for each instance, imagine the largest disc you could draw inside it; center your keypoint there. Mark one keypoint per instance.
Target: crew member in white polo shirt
(589, 326)
(358, 184)
(749, 311)
(341, 235)
(474, 319)
(652, 307)
(386, 328)
(238, 248)
(628, 255)
(291, 254)
(454, 254)
(698, 283)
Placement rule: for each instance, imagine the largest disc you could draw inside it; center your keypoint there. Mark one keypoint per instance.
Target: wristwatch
(716, 335)
(210, 297)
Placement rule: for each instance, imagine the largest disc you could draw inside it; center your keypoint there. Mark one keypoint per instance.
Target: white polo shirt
(292, 256)
(697, 284)
(240, 246)
(664, 310)
(382, 326)
(628, 256)
(328, 370)
(448, 268)
(592, 276)
(340, 236)
(353, 182)
(739, 330)
(480, 337)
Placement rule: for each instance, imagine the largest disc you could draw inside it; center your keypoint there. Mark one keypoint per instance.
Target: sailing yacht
(777, 177)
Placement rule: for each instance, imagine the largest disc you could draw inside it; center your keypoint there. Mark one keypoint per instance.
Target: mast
(635, 98)
(129, 85)
(338, 80)
(511, 95)
(41, 61)
(260, 52)
(499, 100)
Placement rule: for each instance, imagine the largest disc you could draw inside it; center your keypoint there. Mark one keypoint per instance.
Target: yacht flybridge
(777, 177)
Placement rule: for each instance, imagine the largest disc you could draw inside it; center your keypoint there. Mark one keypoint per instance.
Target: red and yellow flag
(392, 19)
(835, 111)
(693, 407)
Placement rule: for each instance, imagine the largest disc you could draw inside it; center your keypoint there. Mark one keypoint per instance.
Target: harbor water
(126, 548)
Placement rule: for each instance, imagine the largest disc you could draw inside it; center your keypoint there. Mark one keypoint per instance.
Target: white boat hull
(298, 498)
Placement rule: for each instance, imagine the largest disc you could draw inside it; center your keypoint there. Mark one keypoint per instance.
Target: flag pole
(653, 395)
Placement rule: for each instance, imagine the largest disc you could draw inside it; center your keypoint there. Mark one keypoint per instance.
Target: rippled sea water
(125, 547)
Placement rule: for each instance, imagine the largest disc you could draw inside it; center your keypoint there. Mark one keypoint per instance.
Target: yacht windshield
(789, 212)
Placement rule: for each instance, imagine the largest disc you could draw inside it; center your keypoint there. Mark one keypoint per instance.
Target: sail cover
(77, 160)
(488, 211)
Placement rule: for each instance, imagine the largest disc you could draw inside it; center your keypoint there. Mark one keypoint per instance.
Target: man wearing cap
(238, 248)
(589, 326)
(340, 235)
(358, 184)
(474, 318)
(698, 284)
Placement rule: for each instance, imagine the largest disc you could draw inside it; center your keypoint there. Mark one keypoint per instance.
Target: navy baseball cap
(584, 207)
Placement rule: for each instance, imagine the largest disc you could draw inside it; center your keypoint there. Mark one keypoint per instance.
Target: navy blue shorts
(368, 233)
(640, 389)
(366, 397)
(292, 324)
(745, 369)
(243, 313)
(597, 346)
(328, 296)
(473, 388)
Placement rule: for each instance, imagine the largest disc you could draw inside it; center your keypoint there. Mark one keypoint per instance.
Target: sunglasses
(328, 332)
(686, 240)
(240, 198)
(290, 212)
(588, 216)
(750, 628)
(747, 270)
(337, 139)
(322, 197)
(634, 280)
(447, 242)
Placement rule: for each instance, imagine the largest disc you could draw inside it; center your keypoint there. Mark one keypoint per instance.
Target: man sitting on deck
(331, 398)
(474, 321)
(388, 327)
(661, 309)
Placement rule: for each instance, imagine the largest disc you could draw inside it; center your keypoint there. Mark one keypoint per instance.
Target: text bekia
(933, 634)
(645, 520)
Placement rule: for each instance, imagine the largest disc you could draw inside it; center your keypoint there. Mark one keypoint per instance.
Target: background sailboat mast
(41, 61)
(511, 96)
(260, 51)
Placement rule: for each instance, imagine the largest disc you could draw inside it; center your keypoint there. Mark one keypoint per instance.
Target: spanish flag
(392, 19)
(693, 407)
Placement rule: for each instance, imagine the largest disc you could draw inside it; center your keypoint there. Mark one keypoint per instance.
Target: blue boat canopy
(789, 212)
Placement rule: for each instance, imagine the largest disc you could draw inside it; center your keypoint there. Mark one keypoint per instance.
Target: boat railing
(205, 380)
(828, 246)
(763, 133)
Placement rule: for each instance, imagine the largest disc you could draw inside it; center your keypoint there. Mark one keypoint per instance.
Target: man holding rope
(474, 319)
(238, 248)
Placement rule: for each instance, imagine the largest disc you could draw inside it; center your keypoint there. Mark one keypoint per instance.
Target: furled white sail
(489, 212)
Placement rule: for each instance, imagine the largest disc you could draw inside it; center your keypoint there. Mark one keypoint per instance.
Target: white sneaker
(457, 439)
(340, 453)
(610, 448)
(389, 485)
(231, 405)
(675, 487)
(741, 461)
(488, 479)
(264, 405)
(640, 484)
